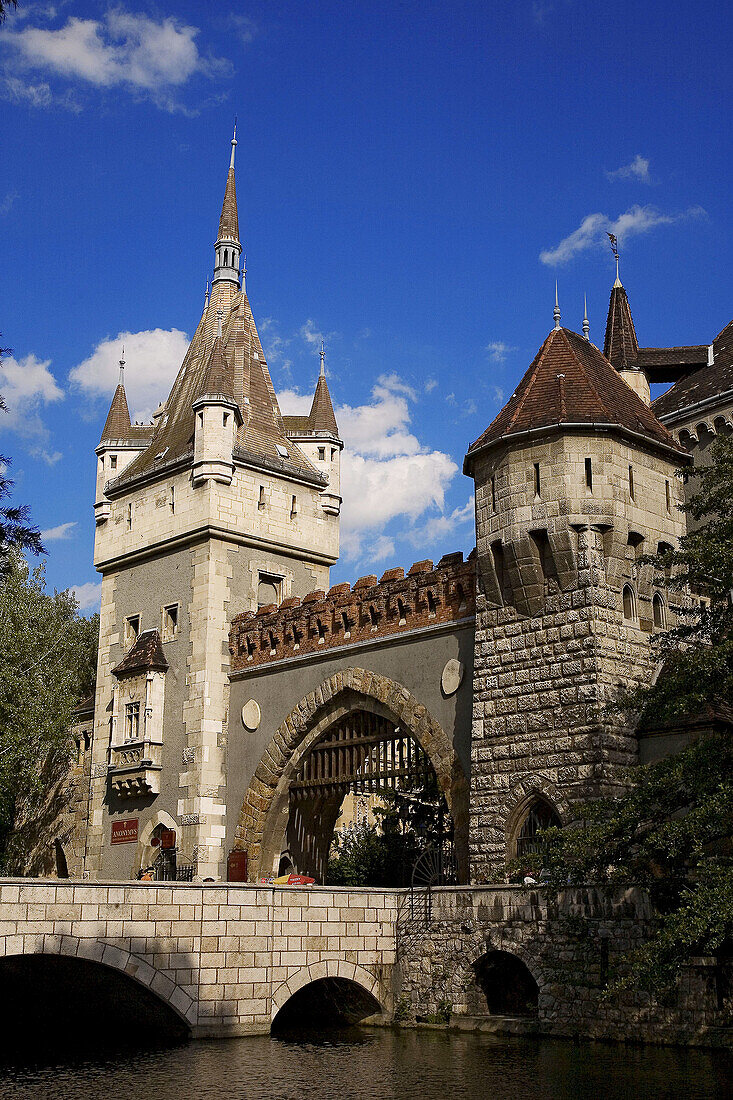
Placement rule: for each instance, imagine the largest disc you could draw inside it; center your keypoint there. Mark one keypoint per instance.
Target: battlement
(395, 604)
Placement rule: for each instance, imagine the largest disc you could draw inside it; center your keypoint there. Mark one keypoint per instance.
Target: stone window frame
(130, 634)
(632, 616)
(521, 814)
(166, 633)
(267, 576)
(659, 619)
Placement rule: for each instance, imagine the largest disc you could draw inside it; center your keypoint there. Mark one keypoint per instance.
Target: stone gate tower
(212, 509)
(575, 481)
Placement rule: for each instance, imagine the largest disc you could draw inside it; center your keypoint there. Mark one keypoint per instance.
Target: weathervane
(614, 248)
(122, 367)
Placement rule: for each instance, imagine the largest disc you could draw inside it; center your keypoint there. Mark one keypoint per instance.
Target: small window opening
(333, 453)
(173, 498)
(226, 257)
(402, 611)
(631, 482)
(170, 622)
(659, 612)
(461, 597)
(373, 617)
(321, 454)
(629, 603)
(321, 632)
(293, 507)
(201, 419)
(589, 474)
(250, 647)
(269, 589)
(261, 501)
(273, 644)
(113, 462)
(636, 542)
(502, 575)
(129, 517)
(493, 494)
(345, 624)
(432, 606)
(132, 629)
(537, 485)
(297, 635)
(668, 496)
(541, 815)
(132, 721)
(225, 419)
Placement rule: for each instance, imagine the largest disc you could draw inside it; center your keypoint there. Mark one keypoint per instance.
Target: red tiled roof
(620, 346)
(322, 416)
(146, 655)
(571, 382)
(704, 384)
(117, 425)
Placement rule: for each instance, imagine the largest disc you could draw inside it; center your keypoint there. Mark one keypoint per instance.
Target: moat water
(357, 1064)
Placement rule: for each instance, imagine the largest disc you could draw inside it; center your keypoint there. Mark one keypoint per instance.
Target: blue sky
(412, 178)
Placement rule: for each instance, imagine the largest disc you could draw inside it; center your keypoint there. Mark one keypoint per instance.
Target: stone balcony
(135, 767)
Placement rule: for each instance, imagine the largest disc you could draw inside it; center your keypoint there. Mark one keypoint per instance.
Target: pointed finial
(614, 248)
(206, 299)
(323, 360)
(234, 143)
(556, 310)
(586, 322)
(219, 315)
(122, 367)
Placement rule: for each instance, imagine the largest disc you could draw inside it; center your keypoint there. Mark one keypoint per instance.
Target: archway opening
(326, 1003)
(506, 985)
(364, 804)
(60, 1007)
(539, 814)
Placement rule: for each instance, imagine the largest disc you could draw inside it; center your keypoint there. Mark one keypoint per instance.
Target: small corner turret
(317, 435)
(217, 417)
(120, 443)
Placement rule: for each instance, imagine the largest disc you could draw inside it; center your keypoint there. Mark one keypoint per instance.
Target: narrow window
(589, 475)
(629, 602)
(225, 419)
(402, 612)
(321, 454)
(113, 462)
(297, 635)
(226, 257)
(173, 498)
(373, 617)
(537, 479)
(132, 721)
(261, 501)
(132, 629)
(658, 611)
(170, 622)
(333, 453)
(346, 625)
(667, 496)
(631, 482)
(293, 507)
(432, 606)
(269, 589)
(273, 644)
(493, 494)
(250, 648)
(129, 516)
(201, 419)
(321, 632)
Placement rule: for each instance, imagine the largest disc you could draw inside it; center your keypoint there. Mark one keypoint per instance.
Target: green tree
(5, 6)
(672, 832)
(48, 658)
(15, 527)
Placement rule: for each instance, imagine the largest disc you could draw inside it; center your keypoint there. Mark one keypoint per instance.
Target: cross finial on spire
(234, 143)
(323, 359)
(556, 310)
(219, 315)
(122, 367)
(586, 322)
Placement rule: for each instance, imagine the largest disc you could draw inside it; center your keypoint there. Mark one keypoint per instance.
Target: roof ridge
(581, 364)
(539, 358)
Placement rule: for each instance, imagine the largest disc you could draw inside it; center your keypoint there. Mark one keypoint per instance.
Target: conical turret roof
(218, 377)
(118, 424)
(322, 417)
(620, 347)
(229, 220)
(571, 384)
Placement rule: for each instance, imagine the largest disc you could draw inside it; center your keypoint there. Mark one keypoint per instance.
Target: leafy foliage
(48, 662)
(15, 527)
(672, 833)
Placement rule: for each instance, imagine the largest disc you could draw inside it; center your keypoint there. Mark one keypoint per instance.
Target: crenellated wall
(372, 609)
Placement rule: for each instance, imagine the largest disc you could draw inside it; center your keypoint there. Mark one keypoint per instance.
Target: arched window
(226, 257)
(629, 602)
(540, 815)
(659, 612)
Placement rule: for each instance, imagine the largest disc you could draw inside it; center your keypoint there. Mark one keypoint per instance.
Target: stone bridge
(221, 960)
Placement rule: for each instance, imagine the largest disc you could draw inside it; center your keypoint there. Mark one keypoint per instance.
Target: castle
(239, 696)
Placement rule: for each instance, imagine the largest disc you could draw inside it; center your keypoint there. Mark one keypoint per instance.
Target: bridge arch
(105, 955)
(334, 969)
(264, 814)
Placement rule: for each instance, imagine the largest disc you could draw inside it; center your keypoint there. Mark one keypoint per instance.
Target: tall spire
(322, 372)
(620, 347)
(121, 381)
(586, 322)
(556, 310)
(228, 247)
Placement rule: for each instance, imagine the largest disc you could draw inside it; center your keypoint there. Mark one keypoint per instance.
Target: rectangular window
(269, 589)
(225, 419)
(667, 495)
(333, 453)
(173, 498)
(113, 462)
(493, 494)
(537, 479)
(293, 507)
(321, 454)
(129, 517)
(132, 721)
(631, 482)
(261, 501)
(589, 475)
(132, 629)
(170, 622)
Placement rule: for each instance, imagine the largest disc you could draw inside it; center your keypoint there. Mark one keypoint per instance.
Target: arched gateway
(348, 695)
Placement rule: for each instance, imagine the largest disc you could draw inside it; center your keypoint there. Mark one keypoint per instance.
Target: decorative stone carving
(452, 676)
(251, 715)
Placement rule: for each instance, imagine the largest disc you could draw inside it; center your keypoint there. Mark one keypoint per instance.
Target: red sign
(124, 832)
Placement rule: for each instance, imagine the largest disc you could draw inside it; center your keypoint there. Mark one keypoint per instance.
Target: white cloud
(437, 527)
(380, 549)
(122, 49)
(27, 385)
(88, 596)
(293, 403)
(153, 358)
(592, 231)
(6, 205)
(637, 169)
(56, 534)
(313, 336)
(430, 385)
(498, 350)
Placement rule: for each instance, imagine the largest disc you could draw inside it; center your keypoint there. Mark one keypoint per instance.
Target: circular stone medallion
(251, 715)
(450, 681)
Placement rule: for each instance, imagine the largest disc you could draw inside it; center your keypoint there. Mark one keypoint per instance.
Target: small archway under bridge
(358, 731)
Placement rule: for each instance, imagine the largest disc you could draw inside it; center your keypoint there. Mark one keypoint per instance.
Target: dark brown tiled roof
(218, 377)
(297, 424)
(146, 655)
(704, 384)
(229, 220)
(117, 425)
(571, 382)
(694, 355)
(620, 346)
(84, 707)
(322, 416)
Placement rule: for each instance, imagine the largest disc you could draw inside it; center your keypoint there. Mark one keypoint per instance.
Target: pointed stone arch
(263, 817)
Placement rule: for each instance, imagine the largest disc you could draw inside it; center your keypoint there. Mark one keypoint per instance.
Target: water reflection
(374, 1063)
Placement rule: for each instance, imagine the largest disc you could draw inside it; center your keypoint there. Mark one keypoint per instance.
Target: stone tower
(575, 481)
(212, 509)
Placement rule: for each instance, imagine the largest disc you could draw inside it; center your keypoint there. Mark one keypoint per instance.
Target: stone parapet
(373, 609)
